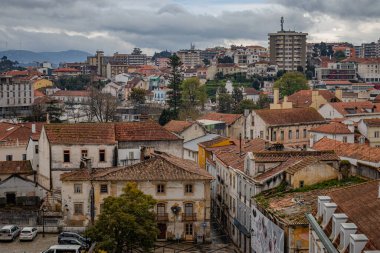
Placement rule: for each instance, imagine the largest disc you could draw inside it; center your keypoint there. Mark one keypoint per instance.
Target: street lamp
(43, 209)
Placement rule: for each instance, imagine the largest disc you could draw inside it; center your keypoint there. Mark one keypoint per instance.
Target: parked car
(63, 248)
(9, 232)
(73, 241)
(74, 235)
(28, 234)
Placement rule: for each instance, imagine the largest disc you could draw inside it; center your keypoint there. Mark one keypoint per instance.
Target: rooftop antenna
(282, 24)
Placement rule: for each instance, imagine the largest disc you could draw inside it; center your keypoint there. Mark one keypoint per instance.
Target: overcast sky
(155, 25)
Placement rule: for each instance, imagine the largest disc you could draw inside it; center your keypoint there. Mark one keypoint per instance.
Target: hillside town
(277, 147)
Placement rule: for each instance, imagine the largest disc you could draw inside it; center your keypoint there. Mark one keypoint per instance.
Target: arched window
(188, 208)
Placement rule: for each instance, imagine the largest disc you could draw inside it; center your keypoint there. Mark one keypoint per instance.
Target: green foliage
(339, 55)
(6, 65)
(39, 112)
(290, 83)
(237, 96)
(126, 222)
(226, 59)
(137, 95)
(263, 101)
(245, 104)
(175, 80)
(80, 82)
(206, 61)
(162, 54)
(167, 115)
(225, 103)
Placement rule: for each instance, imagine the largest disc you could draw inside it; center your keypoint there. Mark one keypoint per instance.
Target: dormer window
(261, 168)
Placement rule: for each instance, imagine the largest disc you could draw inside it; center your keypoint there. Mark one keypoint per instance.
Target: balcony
(189, 217)
(162, 217)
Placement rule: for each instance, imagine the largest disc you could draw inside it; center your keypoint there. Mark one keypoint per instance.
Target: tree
(126, 222)
(263, 101)
(291, 82)
(339, 55)
(225, 103)
(175, 80)
(206, 61)
(245, 104)
(102, 105)
(237, 96)
(6, 64)
(80, 82)
(193, 94)
(226, 59)
(137, 95)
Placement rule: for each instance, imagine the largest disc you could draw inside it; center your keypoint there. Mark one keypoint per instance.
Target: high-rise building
(369, 50)
(287, 49)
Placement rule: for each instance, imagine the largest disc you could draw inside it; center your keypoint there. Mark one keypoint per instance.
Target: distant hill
(25, 57)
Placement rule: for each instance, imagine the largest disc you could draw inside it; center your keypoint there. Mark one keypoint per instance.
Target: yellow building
(204, 149)
(42, 83)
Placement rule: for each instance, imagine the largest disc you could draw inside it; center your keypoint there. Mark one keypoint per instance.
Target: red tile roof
(303, 98)
(362, 206)
(162, 167)
(229, 119)
(207, 144)
(17, 134)
(332, 128)
(251, 91)
(338, 82)
(142, 131)
(290, 116)
(372, 122)
(377, 99)
(345, 108)
(72, 93)
(81, 133)
(351, 150)
(282, 156)
(178, 126)
(15, 167)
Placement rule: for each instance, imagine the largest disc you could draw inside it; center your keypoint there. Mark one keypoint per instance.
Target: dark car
(73, 241)
(74, 235)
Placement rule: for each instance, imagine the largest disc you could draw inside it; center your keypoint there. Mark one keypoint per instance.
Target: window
(84, 153)
(344, 138)
(262, 134)
(290, 135)
(304, 133)
(77, 188)
(160, 188)
(302, 183)
(66, 156)
(24, 157)
(102, 155)
(188, 208)
(78, 208)
(189, 229)
(274, 136)
(36, 149)
(9, 157)
(103, 188)
(131, 155)
(282, 135)
(189, 188)
(297, 134)
(377, 134)
(160, 208)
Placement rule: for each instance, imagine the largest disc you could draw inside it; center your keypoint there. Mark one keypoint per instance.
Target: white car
(28, 234)
(9, 232)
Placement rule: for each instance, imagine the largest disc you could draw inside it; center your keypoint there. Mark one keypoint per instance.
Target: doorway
(162, 234)
(11, 198)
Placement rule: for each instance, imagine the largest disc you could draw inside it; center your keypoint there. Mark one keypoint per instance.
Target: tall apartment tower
(287, 49)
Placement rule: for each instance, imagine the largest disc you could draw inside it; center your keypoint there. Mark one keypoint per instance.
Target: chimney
(339, 94)
(321, 201)
(314, 100)
(33, 128)
(311, 140)
(346, 229)
(337, 220)
(276, 96)
(47, 118)
(328, 211)
(357, 242)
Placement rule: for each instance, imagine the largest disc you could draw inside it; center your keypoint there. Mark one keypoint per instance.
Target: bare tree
(102, 105)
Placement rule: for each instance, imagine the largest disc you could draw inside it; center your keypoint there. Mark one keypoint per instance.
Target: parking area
(38, 245)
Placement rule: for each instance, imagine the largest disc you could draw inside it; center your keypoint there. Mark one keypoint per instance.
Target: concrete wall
(43, 171)
(339, 137)
(172, 147)
(193, 132)
(31, 154)
(313, 174)
(21, 188)
(328, 112)
(17, 151)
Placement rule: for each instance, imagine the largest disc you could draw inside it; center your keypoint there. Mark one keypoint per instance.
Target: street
(38, 245)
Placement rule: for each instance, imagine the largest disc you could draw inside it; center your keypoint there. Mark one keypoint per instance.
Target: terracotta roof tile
(162, 167)
(81, 133)
(12, 134)
(290, 116)
(345, 108)
(276, 170)
(251, 91)
(303, 98)
(15, 167)
(332, 128)
(229, 119)
(282, 156)
(66, 70)
(142, 131)
(302, 163)
(353, 150)
(362, 206)
(177, 126)
(207, 144)
(338, 82)
(372, 122)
